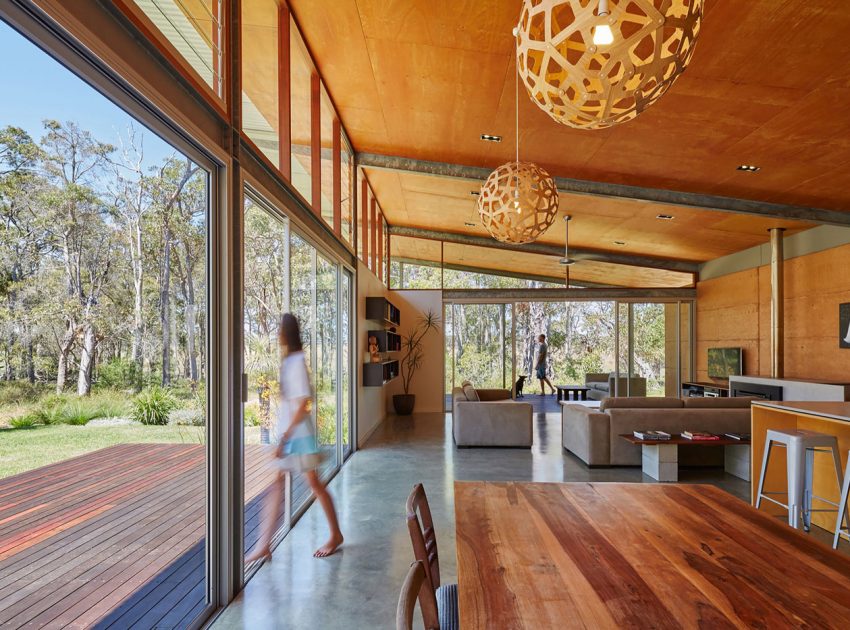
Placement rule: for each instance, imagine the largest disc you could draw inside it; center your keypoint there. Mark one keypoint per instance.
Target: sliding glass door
(285, 272)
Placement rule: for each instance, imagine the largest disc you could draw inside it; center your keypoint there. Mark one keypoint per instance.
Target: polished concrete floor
(358, 587)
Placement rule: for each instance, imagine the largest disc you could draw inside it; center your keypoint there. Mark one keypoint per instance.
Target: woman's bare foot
(259, 554)
(329, 548)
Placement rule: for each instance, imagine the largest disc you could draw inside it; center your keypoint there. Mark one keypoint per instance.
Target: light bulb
(602, 35)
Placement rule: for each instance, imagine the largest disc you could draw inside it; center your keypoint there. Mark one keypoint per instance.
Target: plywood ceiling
(768, 85)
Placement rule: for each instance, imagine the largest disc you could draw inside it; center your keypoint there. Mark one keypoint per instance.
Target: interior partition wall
(647, 346)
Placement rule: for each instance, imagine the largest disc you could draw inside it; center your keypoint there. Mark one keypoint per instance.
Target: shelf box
(378, 374)
(380, 309)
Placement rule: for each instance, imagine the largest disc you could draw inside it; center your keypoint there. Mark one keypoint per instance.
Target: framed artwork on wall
(844, 325)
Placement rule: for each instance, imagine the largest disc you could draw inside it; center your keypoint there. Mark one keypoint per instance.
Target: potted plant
(411, 360)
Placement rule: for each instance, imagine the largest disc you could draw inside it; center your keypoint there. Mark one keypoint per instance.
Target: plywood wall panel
(734, 310)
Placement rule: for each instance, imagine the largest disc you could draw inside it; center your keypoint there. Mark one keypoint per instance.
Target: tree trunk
(86, 361)
(165, 310)
(190, 319)
(30, 362)
(64, 349)
(138, 304)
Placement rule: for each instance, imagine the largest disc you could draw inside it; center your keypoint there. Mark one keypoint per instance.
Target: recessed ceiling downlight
(488, 137)
(749, 168)
(665, 217)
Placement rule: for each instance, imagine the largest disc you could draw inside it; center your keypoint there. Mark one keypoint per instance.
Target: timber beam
(634, 260)
(555, 295)
(698, 201)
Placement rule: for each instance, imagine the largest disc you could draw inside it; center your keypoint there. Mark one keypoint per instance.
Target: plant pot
(403, 404)
(264, 435)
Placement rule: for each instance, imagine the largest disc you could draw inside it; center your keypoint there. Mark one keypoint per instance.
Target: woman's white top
(294, 388)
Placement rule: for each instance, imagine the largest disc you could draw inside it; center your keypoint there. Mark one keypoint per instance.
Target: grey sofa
(593, 435)
(493, 420)
(601, 385)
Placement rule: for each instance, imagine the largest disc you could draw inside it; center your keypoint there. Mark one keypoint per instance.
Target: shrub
(69, 409)
(17, 392)
(152, 406)
(252, 416)
(118, 374)
(23, 422)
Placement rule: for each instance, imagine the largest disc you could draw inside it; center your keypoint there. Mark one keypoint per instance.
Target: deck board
(114, 538)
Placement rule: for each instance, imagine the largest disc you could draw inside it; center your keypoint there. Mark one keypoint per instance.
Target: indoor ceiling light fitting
(519, 201)
(665, 217)
(749, 168)
(490, 138)
(593, 64)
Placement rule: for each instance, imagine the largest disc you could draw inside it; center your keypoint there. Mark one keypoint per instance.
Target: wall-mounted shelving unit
(381, 310)
(378, 374)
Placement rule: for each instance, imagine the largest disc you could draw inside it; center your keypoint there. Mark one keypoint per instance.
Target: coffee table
(660, 458)
(572, 392)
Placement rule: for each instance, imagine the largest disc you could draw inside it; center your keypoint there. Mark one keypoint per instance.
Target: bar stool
(800, 447)
(842, 508)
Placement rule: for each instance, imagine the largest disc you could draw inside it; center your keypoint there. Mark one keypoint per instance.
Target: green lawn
(25, 449)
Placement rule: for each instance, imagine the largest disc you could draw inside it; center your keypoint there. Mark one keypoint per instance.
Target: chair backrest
(422, 534)
(416, 587)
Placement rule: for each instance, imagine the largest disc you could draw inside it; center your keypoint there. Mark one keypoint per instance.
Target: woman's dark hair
(290, 333)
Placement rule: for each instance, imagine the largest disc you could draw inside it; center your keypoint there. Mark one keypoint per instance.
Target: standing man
(540, 366)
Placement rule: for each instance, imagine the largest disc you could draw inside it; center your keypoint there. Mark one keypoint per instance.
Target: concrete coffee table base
(661, 461)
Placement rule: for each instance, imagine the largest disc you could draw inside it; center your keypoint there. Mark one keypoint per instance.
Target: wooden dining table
(619, 555)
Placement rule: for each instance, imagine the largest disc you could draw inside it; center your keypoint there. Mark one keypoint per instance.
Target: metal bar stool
(842, 508)
(800, 448)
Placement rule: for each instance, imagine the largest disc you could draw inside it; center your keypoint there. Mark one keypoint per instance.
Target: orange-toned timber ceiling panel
(765, 87)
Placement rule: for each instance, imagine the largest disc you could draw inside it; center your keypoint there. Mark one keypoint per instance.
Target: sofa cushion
(602, 387)
(640, 403)
(471, 394)
(709, 402)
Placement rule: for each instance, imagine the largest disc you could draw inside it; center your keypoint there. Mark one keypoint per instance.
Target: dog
(520, 382)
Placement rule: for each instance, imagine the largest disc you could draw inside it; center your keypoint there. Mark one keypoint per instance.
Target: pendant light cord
(516, 98)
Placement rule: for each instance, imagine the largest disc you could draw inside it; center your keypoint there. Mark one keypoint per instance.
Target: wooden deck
(114, 538)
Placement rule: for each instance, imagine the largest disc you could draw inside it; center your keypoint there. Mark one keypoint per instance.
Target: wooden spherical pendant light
(518, 202)
(581, 76)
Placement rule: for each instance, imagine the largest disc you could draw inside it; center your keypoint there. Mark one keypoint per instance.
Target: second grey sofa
(492, 420)
(594, 434)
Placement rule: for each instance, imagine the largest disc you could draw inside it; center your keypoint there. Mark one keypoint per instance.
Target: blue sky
(36, 87)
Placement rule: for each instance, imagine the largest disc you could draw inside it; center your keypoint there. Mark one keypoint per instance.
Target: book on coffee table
(737, 436)
(652, 435)
(699, 435)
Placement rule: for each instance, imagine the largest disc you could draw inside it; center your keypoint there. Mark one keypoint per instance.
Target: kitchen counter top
(824, 409)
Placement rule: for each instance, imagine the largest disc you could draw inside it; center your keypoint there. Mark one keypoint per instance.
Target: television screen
(725, 362)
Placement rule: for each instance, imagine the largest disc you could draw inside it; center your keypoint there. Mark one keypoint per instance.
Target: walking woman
(297, 448)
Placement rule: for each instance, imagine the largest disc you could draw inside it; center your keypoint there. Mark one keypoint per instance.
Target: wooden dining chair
(420, 524)
(416, 587)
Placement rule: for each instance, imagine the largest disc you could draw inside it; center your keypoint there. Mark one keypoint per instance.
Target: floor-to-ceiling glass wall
(104, 362)
(619, 348)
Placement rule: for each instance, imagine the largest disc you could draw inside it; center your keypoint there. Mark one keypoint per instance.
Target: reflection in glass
(260, 96)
